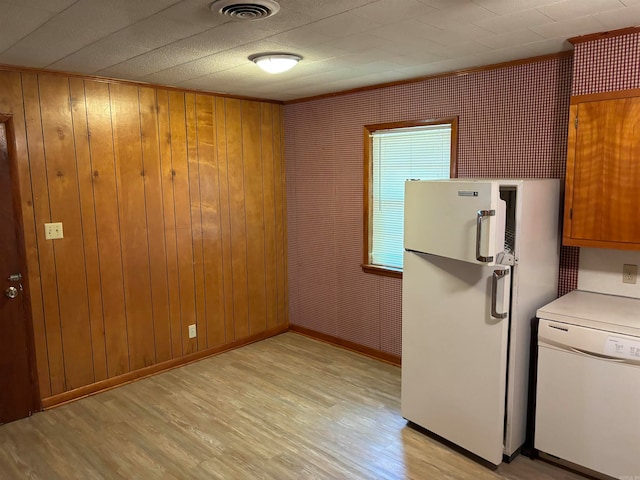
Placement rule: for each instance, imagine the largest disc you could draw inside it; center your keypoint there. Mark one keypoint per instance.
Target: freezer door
(455, 219)
(454, 351)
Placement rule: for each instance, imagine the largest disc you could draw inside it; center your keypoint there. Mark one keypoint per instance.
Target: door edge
(16, 194)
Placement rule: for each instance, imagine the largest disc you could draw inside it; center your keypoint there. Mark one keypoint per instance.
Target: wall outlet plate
(629, 273)
(53, 231)
(192, 331)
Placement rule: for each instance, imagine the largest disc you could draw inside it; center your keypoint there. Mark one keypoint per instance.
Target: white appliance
(480, 257)
(588, 386)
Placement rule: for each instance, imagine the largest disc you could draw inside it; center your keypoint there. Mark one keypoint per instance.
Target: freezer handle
(480, 215)
(497, 275)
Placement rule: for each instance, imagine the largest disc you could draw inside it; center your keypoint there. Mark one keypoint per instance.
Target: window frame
(367, 234)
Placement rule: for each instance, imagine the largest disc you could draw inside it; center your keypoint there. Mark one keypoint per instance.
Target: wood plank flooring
(285, 408)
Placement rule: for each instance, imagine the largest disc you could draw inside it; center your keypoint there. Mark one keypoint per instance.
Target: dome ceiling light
(275, 62)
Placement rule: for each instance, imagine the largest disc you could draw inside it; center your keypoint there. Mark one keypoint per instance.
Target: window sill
(383, 271)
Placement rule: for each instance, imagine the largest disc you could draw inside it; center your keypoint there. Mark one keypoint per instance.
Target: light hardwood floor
(285, 408)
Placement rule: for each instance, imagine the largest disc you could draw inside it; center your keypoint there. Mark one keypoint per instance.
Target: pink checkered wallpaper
(607, 65)
(512, 123)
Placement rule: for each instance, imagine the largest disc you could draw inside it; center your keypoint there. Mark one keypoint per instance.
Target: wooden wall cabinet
(602, 195)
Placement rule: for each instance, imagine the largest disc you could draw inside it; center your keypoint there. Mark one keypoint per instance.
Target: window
(395, 153)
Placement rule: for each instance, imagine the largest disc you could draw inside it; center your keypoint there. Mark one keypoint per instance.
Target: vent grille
(242, 11)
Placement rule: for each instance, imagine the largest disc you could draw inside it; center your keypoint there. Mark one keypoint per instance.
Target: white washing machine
(588, 382)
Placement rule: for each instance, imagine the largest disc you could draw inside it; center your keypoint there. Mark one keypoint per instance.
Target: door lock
(11, 292)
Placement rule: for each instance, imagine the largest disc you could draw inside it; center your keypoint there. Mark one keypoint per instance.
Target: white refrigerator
(480, 257)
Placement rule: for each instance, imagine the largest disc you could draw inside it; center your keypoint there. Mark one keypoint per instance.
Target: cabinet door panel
(606, 175)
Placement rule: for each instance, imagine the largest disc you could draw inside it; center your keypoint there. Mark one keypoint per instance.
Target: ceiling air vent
(250, 10)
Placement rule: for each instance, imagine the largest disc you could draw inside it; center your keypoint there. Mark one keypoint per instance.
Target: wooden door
(603, 174)
(18, 390)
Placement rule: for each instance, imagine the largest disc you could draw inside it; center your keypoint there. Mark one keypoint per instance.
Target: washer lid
(595, 310)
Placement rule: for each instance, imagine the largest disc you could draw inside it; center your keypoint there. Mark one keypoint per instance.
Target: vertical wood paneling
(280, 215)
(196, 220)
(225, 218)
(173, 278)
(89, 232)
(254, 210)
(42, 212)
(62, 179)
(270, 241)
(173, 209)
(211, 221)
(11, 102)
(125, 112)
(182, 205)
(235, 178)
(155, 223)
(108, 226)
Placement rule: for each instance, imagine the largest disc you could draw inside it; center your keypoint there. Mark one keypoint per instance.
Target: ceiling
(345, 43)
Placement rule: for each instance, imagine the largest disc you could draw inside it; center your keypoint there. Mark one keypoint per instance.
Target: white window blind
(400, 154)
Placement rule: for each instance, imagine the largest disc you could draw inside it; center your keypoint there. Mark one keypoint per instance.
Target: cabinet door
(603, 175)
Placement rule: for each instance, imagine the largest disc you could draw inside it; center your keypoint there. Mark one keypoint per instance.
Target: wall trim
(454, 73)
(601, 35)
(596, 97)
(129, 377)
(96, 78)
(346, 344)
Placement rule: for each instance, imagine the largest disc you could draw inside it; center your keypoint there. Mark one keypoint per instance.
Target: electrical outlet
(629, 273)
(53, 231)
(192, 331)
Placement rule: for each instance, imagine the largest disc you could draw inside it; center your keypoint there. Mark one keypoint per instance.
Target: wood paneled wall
(173, 210)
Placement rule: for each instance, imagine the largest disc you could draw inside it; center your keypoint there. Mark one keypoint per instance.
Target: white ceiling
(345, 43)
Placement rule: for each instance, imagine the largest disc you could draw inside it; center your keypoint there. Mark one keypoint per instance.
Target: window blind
(400, 154)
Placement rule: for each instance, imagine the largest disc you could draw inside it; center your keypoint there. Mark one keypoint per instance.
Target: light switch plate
(53, 231)
(192, 331)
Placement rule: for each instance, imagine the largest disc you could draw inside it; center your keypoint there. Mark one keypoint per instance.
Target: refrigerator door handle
(497, 275)
(480, 215)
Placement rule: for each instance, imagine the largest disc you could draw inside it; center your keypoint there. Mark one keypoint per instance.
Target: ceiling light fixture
(275, 62)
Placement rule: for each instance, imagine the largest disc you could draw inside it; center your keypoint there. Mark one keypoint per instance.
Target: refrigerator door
(454, 350)
(457, 219)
